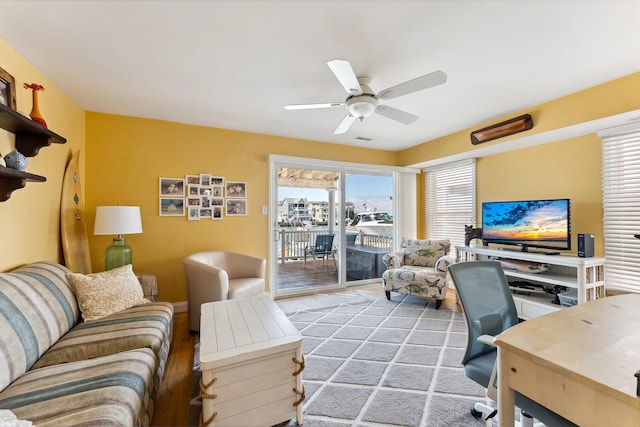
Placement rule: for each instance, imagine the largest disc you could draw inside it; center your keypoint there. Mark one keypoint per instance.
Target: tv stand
(525, 248)
(584, 274)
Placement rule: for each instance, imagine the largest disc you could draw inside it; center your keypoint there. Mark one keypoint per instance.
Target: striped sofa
(56, 370)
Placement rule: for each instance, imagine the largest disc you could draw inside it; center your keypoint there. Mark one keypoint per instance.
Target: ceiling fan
(363, 102)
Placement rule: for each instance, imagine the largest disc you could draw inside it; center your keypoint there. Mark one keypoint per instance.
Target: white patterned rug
(373, 362)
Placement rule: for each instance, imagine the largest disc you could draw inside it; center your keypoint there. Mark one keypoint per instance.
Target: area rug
(373, 362)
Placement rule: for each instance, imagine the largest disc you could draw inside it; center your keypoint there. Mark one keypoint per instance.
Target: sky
(367, 192)
(546, 219)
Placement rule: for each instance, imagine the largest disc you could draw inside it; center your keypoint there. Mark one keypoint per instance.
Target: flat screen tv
(528, 224)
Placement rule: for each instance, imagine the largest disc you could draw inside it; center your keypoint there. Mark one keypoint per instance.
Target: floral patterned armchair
(420, 269)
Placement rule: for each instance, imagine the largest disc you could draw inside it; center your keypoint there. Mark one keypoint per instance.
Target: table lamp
(117, 220)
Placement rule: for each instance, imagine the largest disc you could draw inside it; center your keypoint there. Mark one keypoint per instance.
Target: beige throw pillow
(102, 294)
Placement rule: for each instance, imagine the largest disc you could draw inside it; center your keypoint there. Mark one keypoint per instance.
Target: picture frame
(7, 89)
(217, 201)
(193, 190)
(205, 190)
(193, 213)
(193, 201)
(236, 207)
(217, 191)
(192, 179)
(205, 213)
(171, 206)
(173, 187)
(216, 213)
(205, 179)
(235, 189)
(217, 180)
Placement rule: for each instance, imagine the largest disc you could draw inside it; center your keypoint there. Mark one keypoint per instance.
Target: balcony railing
(292, 243)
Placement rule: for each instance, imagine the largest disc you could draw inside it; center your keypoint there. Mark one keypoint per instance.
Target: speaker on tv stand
(585, 245)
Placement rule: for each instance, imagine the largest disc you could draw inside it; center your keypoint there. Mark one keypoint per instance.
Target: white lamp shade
(117, 220)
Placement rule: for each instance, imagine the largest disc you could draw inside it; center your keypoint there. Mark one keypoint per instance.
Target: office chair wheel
(479, 409)
(476, 414)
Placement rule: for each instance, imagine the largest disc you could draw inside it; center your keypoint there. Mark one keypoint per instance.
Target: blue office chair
(322, 248)
(483, 291)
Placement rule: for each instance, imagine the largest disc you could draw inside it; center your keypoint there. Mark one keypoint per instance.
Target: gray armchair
(217, 276)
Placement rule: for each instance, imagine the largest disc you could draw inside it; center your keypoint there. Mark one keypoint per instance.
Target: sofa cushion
(37, 307)
(148, 325)
(105, 293)
(111, 390)
(424, 253)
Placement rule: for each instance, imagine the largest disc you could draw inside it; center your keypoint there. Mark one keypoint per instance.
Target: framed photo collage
(202, 196)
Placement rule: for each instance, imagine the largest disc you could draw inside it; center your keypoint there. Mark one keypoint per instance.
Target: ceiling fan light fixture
(362, 106)
(362, 101)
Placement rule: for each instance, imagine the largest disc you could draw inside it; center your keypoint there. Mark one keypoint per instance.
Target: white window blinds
(621, 204)
(450, 200)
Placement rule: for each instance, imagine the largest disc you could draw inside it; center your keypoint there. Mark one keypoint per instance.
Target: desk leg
(506, 395)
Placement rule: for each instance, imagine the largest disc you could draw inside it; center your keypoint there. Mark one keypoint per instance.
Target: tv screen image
(528, 223)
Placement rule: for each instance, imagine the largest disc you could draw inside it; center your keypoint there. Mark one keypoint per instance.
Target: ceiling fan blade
(312, 106)
(345, 124)
(347, 78)
(428, 80)
(395, 114)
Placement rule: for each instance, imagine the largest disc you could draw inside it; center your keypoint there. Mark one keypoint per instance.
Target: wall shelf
(11, 180)
(30, 138)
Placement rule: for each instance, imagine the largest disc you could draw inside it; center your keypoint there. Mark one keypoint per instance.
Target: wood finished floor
(293, 275)
(172, 403)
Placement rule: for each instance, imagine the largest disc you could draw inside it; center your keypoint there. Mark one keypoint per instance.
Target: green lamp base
(118, 254)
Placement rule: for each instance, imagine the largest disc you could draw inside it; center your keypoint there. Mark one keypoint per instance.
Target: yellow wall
(126, 157)
(566, 169)
(31, 217)
(569, 168)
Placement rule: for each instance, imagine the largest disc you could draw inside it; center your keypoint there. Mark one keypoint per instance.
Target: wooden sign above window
(499, 130)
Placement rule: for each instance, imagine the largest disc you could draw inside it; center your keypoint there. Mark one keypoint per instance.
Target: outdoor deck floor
(293, 275)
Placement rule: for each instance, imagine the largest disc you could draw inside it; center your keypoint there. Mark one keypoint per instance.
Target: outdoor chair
(217, 276)
(419, 269)
(321, 249)
(483, 292)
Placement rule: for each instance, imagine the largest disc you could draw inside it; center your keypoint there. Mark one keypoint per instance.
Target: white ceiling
(235, 64)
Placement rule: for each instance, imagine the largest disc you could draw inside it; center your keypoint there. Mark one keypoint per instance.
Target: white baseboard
(180, 307)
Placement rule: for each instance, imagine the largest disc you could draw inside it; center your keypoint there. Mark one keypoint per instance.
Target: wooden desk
(579, 362)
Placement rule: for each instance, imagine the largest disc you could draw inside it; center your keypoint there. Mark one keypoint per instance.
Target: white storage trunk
(251, 362)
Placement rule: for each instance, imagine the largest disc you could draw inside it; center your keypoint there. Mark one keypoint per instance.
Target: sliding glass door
(369, 224)
(351, 204)
(307, 230)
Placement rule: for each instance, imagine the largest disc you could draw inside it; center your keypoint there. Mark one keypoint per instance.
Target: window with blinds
(621, 204)
(450, 200)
